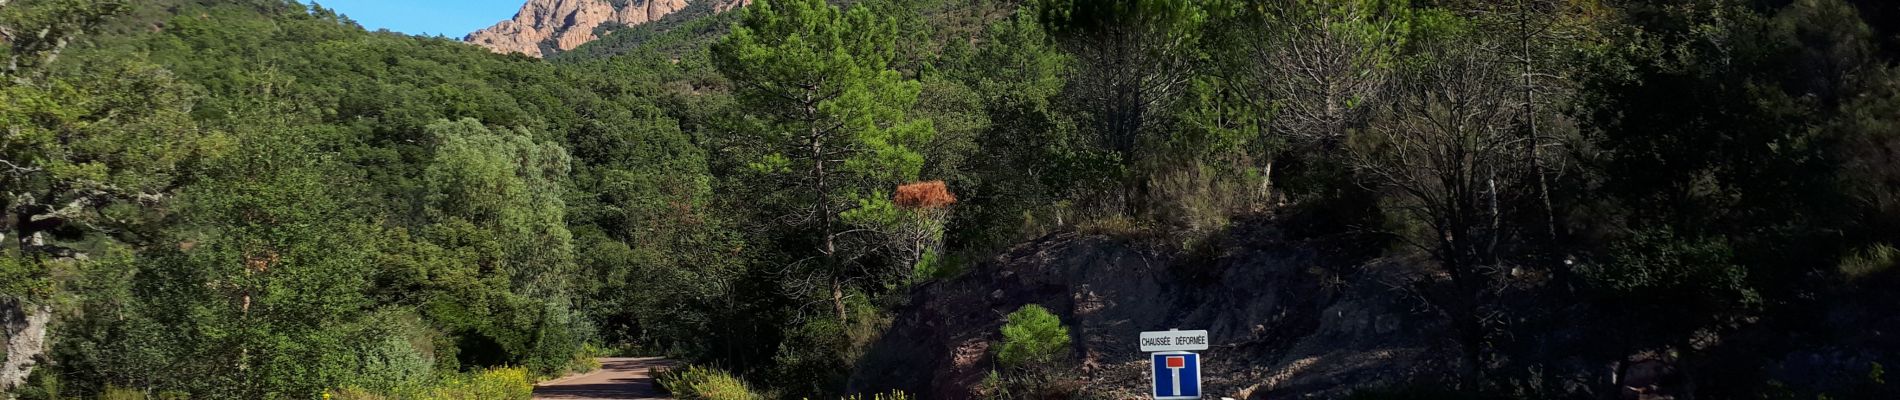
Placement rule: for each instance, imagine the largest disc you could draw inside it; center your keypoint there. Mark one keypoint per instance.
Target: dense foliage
(256, 199)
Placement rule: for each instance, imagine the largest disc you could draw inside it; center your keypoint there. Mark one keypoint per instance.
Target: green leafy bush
(396, 351)
(1033, 336)
(702, 383)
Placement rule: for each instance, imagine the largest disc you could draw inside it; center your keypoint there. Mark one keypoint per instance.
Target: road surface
(619, 378)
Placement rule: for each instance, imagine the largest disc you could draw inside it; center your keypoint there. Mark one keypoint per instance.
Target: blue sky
(452, 18)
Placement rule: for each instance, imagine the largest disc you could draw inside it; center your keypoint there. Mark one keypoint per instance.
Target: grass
(1869, 261)
(1117, 226)
(702, 383)
(498, 383)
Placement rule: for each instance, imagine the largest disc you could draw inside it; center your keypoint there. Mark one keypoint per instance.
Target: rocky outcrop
(565, 24)
(1290, 317)
(24, 327)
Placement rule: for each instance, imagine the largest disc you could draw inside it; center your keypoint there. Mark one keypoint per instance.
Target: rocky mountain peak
(560, 25)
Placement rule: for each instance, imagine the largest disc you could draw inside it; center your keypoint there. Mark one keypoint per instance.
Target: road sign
(1177, 375)
(1173, 340)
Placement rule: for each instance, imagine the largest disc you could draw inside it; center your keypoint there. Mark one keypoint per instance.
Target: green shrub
(1193, 198)
(497, 383)
(1115, 225)
(722, 387)
(41, 385)
(1033, 336)
(352, 393)
(929, 266)
(813, 357)
(702, 383)
(1869, 261)
(993, 386)
(396, 351)
(114, 392)
(1697, 276)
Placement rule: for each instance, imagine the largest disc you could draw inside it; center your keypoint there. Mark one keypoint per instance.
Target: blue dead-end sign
(1177, 375)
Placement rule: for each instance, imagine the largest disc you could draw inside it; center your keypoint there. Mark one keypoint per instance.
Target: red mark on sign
(1177, 362)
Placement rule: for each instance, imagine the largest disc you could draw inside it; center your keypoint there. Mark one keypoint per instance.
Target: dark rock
(1277, 331)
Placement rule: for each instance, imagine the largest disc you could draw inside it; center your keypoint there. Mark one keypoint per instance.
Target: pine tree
(834, 124)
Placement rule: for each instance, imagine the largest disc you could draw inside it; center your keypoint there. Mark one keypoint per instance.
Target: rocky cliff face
(566, 24)
(1281, 327)
(1297, 312)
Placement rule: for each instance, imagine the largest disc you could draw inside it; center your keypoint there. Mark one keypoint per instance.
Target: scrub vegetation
(259, 199)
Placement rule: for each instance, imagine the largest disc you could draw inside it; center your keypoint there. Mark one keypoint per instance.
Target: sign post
(1176, 370)
(1177, 375)
(1173, 340)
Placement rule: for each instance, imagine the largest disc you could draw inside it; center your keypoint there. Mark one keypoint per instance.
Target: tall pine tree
(833, 123)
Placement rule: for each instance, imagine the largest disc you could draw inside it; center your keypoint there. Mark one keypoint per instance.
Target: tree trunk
(837, 299)
(1266, 185)
(1471, 346)
(1468, 330)
(1459, 255)
(1530, 119)
(815, 142)
(25, 326)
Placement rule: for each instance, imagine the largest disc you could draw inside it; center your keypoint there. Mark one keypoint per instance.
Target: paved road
(618, 378)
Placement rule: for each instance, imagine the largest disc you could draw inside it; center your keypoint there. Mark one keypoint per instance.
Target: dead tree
(1446, 152)
(1530, 33)
(1317, 67)
(919, 233)
(1320, 62)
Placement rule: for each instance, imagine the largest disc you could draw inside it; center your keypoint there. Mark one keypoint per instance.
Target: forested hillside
(258, 199)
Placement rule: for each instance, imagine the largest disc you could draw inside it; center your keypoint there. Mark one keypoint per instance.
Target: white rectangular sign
(1173, 340)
